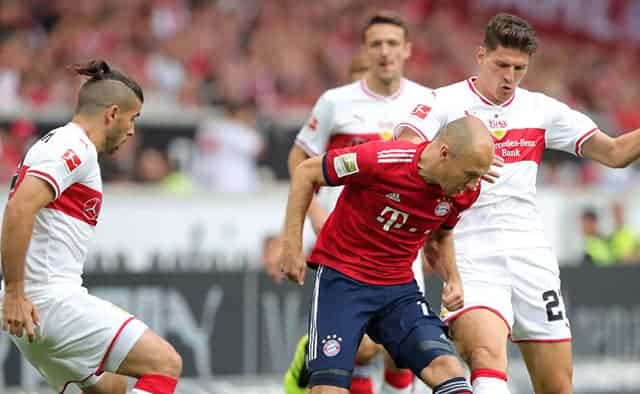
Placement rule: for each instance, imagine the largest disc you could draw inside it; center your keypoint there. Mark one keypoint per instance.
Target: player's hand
(452, 295)
(19, 315)
(493, 175)
(293, 264)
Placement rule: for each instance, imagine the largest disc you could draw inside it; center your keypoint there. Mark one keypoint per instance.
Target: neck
(94, 133)
(484, 90)
(383, 88)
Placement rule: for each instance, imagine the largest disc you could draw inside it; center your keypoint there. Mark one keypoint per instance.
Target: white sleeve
(314, 135)
(566, 128)
(425, 119)
(60, 162)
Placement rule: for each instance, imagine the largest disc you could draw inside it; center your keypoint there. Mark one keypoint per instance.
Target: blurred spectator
(154, 167)
(13, 145)
(227, 152)
(271, 248)
(596, 247)
(623, 241)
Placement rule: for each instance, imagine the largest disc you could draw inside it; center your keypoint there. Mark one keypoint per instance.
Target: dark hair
(99, 70)
(589, 213)
(385, 18)
(510, 31)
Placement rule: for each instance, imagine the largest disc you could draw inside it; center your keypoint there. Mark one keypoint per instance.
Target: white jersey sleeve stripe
(412, 127)
(48, 178)
(582, 140)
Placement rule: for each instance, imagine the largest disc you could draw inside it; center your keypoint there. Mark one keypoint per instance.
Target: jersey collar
(371, 93)
(486, 100)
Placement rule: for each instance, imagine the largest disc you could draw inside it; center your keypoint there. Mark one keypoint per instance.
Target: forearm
(300, 195)
(445, 263)
(616, 152)
(17, 227)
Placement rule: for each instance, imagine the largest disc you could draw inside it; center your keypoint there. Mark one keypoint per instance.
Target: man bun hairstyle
(99, 70)
(385, 18)
(510, 31)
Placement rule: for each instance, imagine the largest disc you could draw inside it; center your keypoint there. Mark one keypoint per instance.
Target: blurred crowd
(278, 56)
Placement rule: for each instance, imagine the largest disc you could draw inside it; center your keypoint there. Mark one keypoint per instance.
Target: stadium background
(182, 249)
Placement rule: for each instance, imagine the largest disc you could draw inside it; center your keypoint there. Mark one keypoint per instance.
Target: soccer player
(395, 194)
(510, 274)
(364, 110)
(53, 208)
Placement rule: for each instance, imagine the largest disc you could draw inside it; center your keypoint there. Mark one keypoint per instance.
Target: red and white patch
(91, 209)
(331, 348)
(442, 209)
(421, 111)
(313, 123)
(71, 160)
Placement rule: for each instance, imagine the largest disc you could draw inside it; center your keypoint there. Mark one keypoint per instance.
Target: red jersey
(384, 213)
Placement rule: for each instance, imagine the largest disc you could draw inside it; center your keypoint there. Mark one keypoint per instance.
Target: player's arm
(307, 176)
(317, 215)
(439, 252)
(615, 152)
(17, 226)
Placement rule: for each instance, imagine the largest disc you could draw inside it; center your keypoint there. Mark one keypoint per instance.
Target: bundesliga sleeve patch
(71, 160)
(421, 111)
(346, 164)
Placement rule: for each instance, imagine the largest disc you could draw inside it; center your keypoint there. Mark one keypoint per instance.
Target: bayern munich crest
(331, 345)
(443, 208)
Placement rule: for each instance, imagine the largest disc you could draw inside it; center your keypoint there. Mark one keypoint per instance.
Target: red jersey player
(395, 194)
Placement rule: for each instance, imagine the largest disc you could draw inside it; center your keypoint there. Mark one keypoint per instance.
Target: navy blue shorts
(395, 316)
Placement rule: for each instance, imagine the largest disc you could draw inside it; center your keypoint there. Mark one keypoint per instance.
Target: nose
(384, 49)
(509, 75)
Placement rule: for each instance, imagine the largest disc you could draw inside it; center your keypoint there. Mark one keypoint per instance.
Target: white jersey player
(53, 208)
(510, 274)
(365, 110)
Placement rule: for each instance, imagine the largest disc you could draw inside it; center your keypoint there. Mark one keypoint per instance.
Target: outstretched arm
(317, 214)
(306, 177)
(19, 216)
(615, 152)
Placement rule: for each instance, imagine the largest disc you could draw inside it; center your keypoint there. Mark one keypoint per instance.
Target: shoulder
(67, 140)
(342, 93)
(453, 90)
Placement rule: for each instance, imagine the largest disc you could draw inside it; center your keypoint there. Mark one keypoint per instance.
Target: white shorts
(522, 287)
(80, 336)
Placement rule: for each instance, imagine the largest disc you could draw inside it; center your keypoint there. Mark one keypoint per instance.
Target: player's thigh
(340, 310)
(328, 390)
(412, 334)
(367, 351)
(480, 336)
(550, 366)
(538, 306)
(109, 383)
(151, 355)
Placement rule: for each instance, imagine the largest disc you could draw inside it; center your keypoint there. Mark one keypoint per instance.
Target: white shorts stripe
(313, 329)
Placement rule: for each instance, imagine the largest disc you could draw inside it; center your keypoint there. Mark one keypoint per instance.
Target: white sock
(487, 385)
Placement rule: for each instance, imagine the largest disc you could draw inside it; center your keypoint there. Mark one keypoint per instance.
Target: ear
(444, 152)
(481, 53)
(111, 112)
(407, 50)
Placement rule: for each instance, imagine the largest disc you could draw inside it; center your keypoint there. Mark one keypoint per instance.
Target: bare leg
(550, 366)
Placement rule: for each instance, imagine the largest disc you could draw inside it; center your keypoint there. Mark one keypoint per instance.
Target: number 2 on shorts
(554, 310)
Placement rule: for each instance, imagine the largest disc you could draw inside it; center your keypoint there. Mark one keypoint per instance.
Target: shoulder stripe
(397, 151)
(408, 160)
(396, 155)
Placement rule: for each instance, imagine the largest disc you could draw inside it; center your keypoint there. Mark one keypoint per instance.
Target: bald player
(54, 204)
(395, 194)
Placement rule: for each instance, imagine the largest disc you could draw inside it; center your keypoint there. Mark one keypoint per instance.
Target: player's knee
(174, 363)
(442, 368)
(557, 383)
(483, 357)
(367, 351)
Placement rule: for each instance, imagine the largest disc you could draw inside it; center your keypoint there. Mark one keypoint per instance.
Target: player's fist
(292, 263)
(493, 174)
(452, 295)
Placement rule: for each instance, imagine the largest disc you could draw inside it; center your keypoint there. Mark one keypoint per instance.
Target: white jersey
(67, 160)
(352, 114)
(522, 128)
